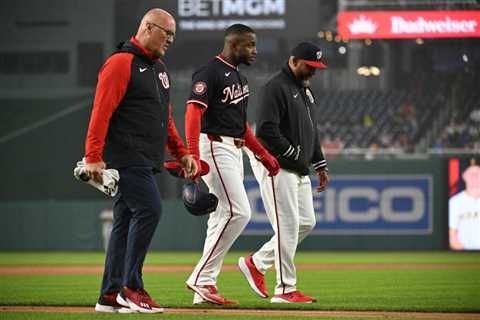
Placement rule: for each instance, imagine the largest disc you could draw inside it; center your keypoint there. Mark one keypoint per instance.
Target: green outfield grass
(96, 258)
(452, 289)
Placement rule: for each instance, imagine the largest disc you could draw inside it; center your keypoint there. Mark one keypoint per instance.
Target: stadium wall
(76, 224)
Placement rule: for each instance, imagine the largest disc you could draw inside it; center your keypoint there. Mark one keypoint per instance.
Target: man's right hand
(94, 171)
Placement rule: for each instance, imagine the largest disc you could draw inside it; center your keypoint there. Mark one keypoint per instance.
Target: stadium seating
(362, 118)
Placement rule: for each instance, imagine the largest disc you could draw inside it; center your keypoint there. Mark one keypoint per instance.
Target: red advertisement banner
(408, 24)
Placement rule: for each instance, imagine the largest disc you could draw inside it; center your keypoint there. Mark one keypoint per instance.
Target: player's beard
(245, 60)
(305, 78)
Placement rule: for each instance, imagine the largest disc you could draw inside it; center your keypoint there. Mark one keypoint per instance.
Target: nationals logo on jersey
(164, 78)
(234, 93)
(199, 88)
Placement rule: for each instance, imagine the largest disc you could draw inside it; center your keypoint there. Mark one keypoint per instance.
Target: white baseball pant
(288, 202)
(227, 222)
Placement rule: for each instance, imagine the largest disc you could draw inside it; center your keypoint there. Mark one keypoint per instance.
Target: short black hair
(238, 28)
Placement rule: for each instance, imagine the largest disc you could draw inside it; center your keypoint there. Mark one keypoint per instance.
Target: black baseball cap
(310, 54)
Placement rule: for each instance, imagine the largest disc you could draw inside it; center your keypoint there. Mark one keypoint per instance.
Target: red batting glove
(270, 163)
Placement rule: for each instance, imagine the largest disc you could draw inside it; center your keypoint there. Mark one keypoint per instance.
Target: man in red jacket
(130, 126)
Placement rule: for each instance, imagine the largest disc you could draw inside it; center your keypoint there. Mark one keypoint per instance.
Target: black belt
(239, 142)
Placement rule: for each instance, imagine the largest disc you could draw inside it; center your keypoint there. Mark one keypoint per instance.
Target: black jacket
(137, 134)
(286, 123)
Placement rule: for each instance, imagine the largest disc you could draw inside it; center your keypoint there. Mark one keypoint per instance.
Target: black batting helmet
(196, 201)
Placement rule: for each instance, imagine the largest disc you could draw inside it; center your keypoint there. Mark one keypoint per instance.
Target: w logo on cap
(310, 54)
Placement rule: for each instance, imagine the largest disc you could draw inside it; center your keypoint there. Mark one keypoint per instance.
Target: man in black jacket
(287, 127)
(130, 127)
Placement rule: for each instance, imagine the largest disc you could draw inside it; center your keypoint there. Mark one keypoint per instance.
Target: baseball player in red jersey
(287, 127)
(216, 130)
(130, 126)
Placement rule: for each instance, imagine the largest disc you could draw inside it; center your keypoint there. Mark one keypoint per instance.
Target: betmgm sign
(360, 204)
(219, 14)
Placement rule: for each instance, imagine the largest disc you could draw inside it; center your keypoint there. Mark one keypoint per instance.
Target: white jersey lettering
(235, 93)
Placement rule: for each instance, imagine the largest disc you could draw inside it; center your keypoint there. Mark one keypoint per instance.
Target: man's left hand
(323, 179)
(190, 166)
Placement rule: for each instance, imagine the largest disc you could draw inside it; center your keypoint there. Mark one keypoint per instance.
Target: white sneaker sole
(201, 294)
(126, 310)
(110, 309)
(140, 309)
(246, 272)
(197, 299)
(102, 308)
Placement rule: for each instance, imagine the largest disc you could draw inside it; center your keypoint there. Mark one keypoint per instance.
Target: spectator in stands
(475, 115)
(368, 121)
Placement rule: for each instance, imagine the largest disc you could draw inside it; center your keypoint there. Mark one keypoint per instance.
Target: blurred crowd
(461, 133)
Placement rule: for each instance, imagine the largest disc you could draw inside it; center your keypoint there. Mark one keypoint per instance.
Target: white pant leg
(225, 180)
(264, 258)
(281, 205)
(305, 208)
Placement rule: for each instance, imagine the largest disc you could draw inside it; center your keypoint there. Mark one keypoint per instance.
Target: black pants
(136, 213)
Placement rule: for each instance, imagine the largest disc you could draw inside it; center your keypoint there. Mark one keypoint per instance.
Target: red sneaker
(292, 297)
(255, 278)
(149, 299)
(210, 294)
(108, 303)
(139, 300)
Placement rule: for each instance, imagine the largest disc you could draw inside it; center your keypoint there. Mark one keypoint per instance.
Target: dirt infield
(266, 313)
(45, 269)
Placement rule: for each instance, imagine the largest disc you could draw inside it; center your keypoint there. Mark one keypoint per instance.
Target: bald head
(156, 15)
(156, 31)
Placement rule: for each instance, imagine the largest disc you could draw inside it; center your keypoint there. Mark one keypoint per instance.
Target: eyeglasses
(169, 33)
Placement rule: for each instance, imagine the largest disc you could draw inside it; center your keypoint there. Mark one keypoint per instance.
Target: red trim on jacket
(112, 84)
(146, 52)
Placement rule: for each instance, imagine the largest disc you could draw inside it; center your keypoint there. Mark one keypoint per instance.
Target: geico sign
(380, 205)
(208, 8)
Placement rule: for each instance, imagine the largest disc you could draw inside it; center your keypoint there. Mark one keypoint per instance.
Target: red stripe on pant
(278, 237)
(231, 213)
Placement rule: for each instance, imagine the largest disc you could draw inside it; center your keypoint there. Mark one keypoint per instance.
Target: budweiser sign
(409, 24)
